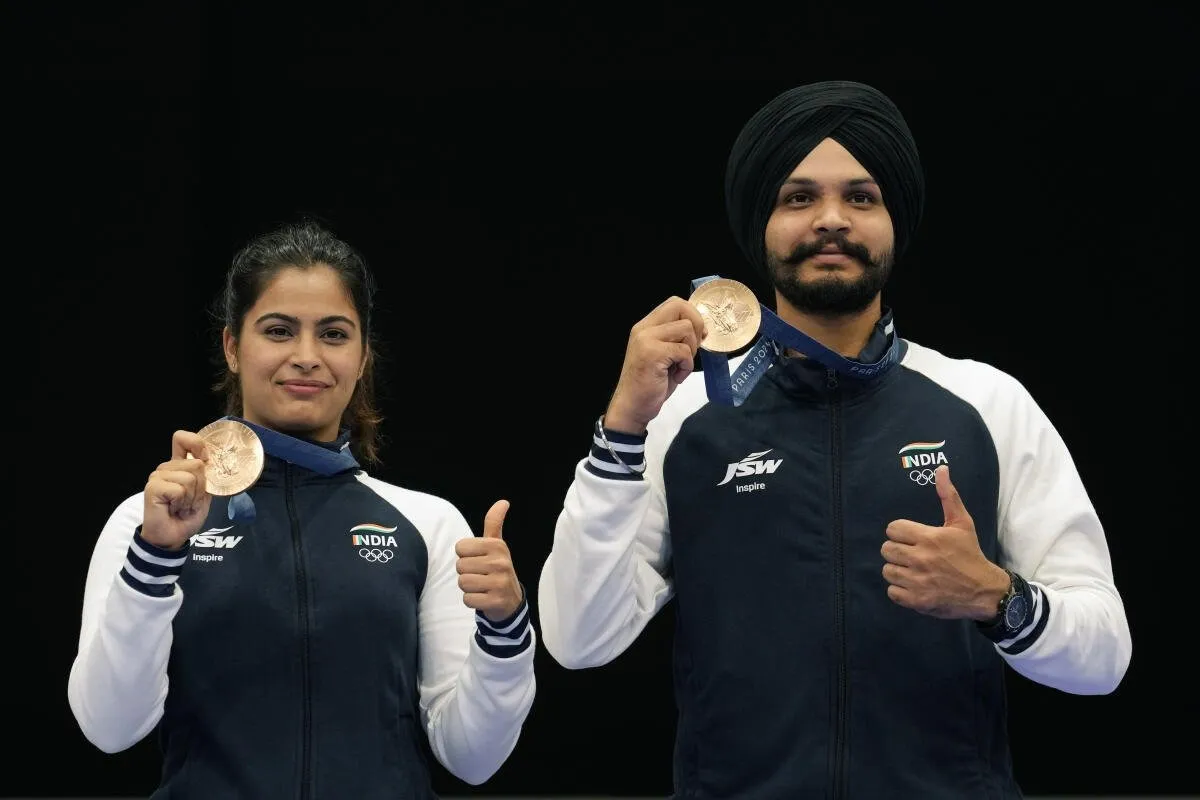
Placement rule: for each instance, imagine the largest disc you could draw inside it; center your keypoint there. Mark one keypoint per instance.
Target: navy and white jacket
(795, 675)
(311, 654)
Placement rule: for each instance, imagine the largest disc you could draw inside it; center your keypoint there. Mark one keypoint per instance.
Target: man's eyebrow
(808, 182)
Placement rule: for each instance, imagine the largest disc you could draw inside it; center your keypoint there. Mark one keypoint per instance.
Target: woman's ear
(229, 345)
(368, 356)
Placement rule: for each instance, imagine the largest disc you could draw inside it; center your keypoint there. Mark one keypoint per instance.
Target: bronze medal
(731, 314)
(235, 457)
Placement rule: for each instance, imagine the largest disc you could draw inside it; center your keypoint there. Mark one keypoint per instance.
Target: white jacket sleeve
(607, 572)
(118, 681)
(477, 678)
(1078, 639)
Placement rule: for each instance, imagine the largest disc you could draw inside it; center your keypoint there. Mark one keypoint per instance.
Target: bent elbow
(1120, 666)
(1106, 676)
(110, 744)
(1099, 684)
(577, 661)
(476, 771)
(473, 777)
(106, 741)
(103, 738)
(571, 656)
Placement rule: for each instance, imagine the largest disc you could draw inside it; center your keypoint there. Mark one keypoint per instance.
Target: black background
(528, 183)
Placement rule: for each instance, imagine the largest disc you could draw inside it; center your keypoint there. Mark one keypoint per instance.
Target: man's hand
(941, 571)
(660, 354)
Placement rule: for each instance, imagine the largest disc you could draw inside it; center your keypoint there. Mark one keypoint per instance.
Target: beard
(832, 294)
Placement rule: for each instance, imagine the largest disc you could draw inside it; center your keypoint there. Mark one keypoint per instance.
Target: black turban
(779, 136)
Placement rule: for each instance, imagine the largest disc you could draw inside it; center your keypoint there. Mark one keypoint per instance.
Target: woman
(310, 636)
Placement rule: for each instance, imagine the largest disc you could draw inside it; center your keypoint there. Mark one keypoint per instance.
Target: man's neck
(845, 334)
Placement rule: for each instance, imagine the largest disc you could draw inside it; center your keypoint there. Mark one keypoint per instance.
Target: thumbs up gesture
(485, 569)
(941, 571)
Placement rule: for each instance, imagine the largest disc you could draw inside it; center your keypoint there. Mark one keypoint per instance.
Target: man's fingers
(667, 346)
(904, 531)
(681, 330)
(897, 576)
(903, 555)
(672, 309)
(900, 596)
(693, 315)
(682, 357)
(953, 509)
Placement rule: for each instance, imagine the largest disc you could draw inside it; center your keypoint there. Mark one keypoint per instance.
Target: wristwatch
(1013, 611)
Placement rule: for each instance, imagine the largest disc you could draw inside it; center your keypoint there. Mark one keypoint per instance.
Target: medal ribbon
(294, 451)
(775, 335)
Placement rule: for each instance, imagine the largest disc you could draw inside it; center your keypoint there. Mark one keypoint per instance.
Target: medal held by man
(731, 312)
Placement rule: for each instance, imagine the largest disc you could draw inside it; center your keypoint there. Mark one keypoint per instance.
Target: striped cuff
(1023, 639)
(628, 448)
(506, 638)
(152, 570)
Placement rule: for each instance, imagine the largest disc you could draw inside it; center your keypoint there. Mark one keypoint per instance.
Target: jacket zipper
(840, 744)
(305, 679)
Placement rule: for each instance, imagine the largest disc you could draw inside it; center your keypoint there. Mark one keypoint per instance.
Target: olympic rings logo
(922, 477)
(376, 554)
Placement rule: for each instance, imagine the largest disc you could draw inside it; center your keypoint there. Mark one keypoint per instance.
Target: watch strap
(997, 628)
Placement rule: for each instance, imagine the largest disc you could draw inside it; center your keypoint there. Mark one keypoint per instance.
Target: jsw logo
(215, 540)
(753, 464)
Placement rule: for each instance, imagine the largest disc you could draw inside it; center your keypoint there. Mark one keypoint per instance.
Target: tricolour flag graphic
(373, 528)
(921, 446)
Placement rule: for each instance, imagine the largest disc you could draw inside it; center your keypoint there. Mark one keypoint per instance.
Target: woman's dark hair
(303, 245)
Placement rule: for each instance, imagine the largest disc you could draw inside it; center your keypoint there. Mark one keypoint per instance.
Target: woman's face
(299, 354)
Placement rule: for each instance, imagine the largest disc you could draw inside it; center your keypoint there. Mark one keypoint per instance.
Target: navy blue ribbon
(774, 336)
(308, 455)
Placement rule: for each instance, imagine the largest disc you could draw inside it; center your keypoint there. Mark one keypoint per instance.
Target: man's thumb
(952, 504)
(493, 522)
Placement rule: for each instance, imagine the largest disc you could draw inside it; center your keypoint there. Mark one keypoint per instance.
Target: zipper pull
(831, 378)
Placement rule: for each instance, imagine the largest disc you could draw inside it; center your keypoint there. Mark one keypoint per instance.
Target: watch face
(1014, 615)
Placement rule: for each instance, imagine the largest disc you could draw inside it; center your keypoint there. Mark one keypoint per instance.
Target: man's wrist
(616, 455)
(621, 423)
(1016, 613)
(992, 596)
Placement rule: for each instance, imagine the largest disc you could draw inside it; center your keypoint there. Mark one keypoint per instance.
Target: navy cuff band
(621, 456)
(150, 569)
(507, 637)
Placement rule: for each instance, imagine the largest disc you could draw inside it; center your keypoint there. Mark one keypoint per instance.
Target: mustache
(852, 249)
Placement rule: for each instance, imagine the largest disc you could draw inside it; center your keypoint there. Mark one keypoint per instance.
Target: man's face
(829, 239)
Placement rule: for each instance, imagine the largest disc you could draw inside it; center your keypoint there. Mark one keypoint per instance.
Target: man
(859, 531)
